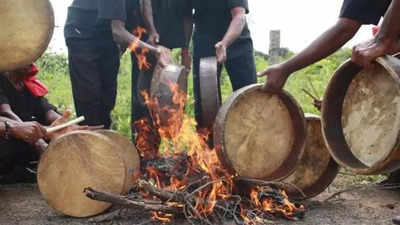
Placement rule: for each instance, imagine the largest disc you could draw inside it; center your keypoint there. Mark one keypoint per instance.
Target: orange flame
(267, 205)
(134, 47)
(180, 135)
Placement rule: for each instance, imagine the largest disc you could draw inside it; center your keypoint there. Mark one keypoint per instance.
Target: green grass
(54, 73)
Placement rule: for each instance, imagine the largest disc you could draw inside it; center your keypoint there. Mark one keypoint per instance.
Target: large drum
(316, 169)
(26, 30)
(168, 88)
(361, 116)
(259, 134)
(209, 96)
(166, 95)
(105, 161)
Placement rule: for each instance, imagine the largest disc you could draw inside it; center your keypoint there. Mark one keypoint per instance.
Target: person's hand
(154, 38)
(220, 51)
(164, 56)
(186, 60)
(40, 146)
(64, 119)
(276, 78)
(366, 52)
(29, 132)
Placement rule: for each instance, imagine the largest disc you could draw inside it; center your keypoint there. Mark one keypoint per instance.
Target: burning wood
(189, 180)
(175, 186)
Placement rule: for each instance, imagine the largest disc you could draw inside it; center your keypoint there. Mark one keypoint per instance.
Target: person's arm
(52, 116)
(329, 42)
(385, 42)
(235, 29)
(6, 111)
(154, 37)
(29, 132)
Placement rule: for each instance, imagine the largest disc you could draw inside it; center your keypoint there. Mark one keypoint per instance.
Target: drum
(83, 159)
(361, 116)
(260, 134)
(210, 99)
(26, 29)
(169, 87)
(316, 169)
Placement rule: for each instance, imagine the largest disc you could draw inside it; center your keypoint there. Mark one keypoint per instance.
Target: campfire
(184, 178)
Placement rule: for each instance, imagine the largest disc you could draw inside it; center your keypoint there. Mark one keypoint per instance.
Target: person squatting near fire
(95, 34)
(221, 30)
(24, 113)
(164, 21)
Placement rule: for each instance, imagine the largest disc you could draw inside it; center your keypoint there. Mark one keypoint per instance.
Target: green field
(54, 73)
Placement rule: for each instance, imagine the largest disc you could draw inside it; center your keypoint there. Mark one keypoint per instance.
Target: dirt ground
(22, 204)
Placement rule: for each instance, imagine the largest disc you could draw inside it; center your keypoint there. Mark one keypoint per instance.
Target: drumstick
(64, 125)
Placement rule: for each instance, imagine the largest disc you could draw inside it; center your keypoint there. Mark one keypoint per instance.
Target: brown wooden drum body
(361, 116)
(260, 135)
(169, 86)
(210, 99)
(316, 169)
(26, 30)
(85, 159)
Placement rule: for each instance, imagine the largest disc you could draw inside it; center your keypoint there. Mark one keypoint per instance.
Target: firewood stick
(124, 201)
(64, 125)
(164, 195)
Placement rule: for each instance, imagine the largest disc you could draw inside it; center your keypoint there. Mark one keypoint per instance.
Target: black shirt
(90, 19)
(364, 11)
(23, 103)
(169, 21)
(212, 19)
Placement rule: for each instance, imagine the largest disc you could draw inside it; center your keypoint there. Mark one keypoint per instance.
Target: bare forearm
(328, 43)
(235, 29)
(6, 111)
(148, 15)
(390, 28)
(121, 36)
(52, 116)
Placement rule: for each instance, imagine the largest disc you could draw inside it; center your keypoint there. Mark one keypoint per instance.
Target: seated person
(24, 113)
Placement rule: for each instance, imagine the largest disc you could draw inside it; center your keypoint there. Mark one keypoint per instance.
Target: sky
(300, 22)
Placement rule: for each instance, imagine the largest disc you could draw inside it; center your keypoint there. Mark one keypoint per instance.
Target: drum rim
(299, 126)
(55, 142)
(331, 113)
(41, 47)
(326, 178)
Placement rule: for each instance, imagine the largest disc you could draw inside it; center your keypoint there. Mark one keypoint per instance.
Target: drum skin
(260, 135)
(361, 116)
(316, 169)
(76, 161)
(129, 154)
(26, 30)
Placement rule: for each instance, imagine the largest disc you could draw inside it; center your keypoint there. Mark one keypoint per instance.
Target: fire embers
(270, 203)
(183, 177)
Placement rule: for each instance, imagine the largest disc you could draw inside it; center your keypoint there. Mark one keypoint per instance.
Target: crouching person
(24, 113)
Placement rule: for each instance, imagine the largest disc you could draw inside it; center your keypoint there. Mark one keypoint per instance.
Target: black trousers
(15, 153)
(241, 71)
(93, 66)
(141, 81)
